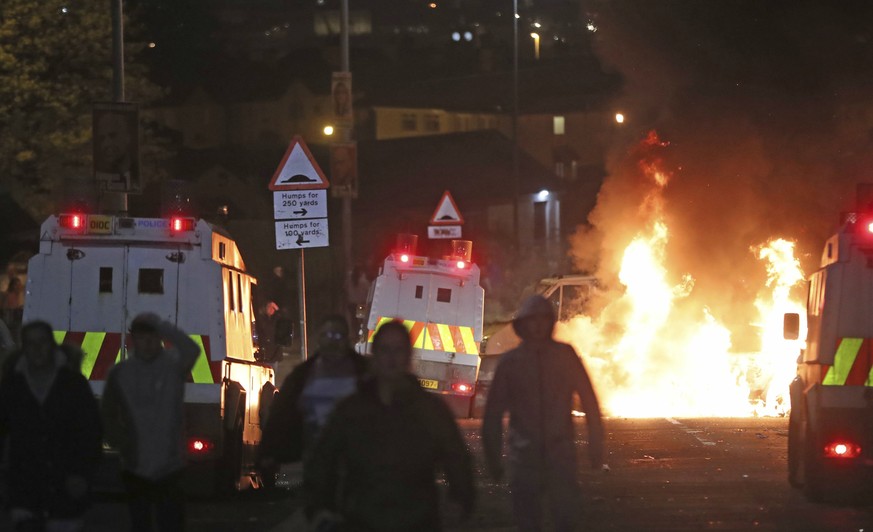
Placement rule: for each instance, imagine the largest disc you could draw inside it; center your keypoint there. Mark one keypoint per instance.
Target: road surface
(666, 475)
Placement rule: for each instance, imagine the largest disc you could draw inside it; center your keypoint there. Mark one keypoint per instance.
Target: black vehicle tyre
(795, 477)
(229, 468)
(813, 473)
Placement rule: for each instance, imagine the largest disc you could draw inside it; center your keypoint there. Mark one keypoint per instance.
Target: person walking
(376, 460)
(535, 383)
(143, 405)
(51, 422)
(308, 395)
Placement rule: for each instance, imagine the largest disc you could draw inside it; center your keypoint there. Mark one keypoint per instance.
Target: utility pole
(117, 201)
(515, 177)
(346, 135)
(117, 51)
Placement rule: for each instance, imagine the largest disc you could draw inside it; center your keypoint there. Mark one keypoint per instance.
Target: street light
(536, 38)
(619, 117)
(328, 130)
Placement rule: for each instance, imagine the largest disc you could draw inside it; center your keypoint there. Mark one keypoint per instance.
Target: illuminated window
(432, 123)
(409, 122)
(558, 125)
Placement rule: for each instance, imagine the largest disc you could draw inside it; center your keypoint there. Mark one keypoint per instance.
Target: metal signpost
(300, 210)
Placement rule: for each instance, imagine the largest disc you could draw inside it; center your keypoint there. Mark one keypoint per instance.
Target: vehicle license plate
(429, 384)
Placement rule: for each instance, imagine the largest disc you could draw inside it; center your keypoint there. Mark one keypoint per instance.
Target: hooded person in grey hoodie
(535, 383)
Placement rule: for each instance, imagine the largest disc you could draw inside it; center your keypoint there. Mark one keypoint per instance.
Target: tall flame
(654, 352)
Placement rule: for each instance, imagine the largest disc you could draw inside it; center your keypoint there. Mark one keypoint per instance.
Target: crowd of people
(371, 440)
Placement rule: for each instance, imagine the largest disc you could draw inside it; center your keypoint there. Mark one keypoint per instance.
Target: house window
(432, 123)
(409, 122)
(539, 220)
(151, 281)
(558, 125)
(444, 295)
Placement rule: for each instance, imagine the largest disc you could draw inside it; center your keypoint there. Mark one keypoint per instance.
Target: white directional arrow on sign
(298, 234)
(299, 204)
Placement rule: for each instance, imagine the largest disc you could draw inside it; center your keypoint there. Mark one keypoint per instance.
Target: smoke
(763, 109)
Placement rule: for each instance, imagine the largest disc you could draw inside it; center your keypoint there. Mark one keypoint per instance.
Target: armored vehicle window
(151, 281)
(222, 250)
(239, 298)
(419, 291)
(230, 299)
(444, 295)
(105, 280)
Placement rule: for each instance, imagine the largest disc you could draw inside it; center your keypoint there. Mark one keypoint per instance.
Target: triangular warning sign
(446, 212)
(298, 169)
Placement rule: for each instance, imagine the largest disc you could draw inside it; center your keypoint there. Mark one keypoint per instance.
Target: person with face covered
(51, 422)
(535, 383)
(308, 395)
(375, 463)
(143, 404)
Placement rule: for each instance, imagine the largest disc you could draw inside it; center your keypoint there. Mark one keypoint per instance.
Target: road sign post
(300, 213)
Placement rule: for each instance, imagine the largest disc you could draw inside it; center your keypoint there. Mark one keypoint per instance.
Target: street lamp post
(536, 38)
(515, 178)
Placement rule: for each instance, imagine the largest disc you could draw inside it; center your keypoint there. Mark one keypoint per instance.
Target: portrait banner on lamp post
(116, 144)
(344, 169)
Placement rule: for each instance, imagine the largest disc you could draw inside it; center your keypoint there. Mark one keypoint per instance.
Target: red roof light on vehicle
(870, 226)
(461, 265)
(199, 446)
(404, 258)
(842, 449)
(71, 221)
(181, 224)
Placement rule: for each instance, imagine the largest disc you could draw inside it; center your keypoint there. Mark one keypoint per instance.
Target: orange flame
(652, 353)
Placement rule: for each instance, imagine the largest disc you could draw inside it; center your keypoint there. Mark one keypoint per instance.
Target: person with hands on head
(143, 405)
(535, 384)
(51, 421)
(375, 463)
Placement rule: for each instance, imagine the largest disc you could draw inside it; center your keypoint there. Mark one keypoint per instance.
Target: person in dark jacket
(375, 462)
(52, 422)
(535, 383)
(308, 395)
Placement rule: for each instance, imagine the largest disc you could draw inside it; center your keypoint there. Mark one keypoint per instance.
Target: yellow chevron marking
(200, 372)
(59, 336)
(469, 341)
(843, 360)
(446, 337)
(90, 349)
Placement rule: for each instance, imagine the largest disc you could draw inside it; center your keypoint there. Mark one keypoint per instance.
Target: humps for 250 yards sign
(300, 200)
